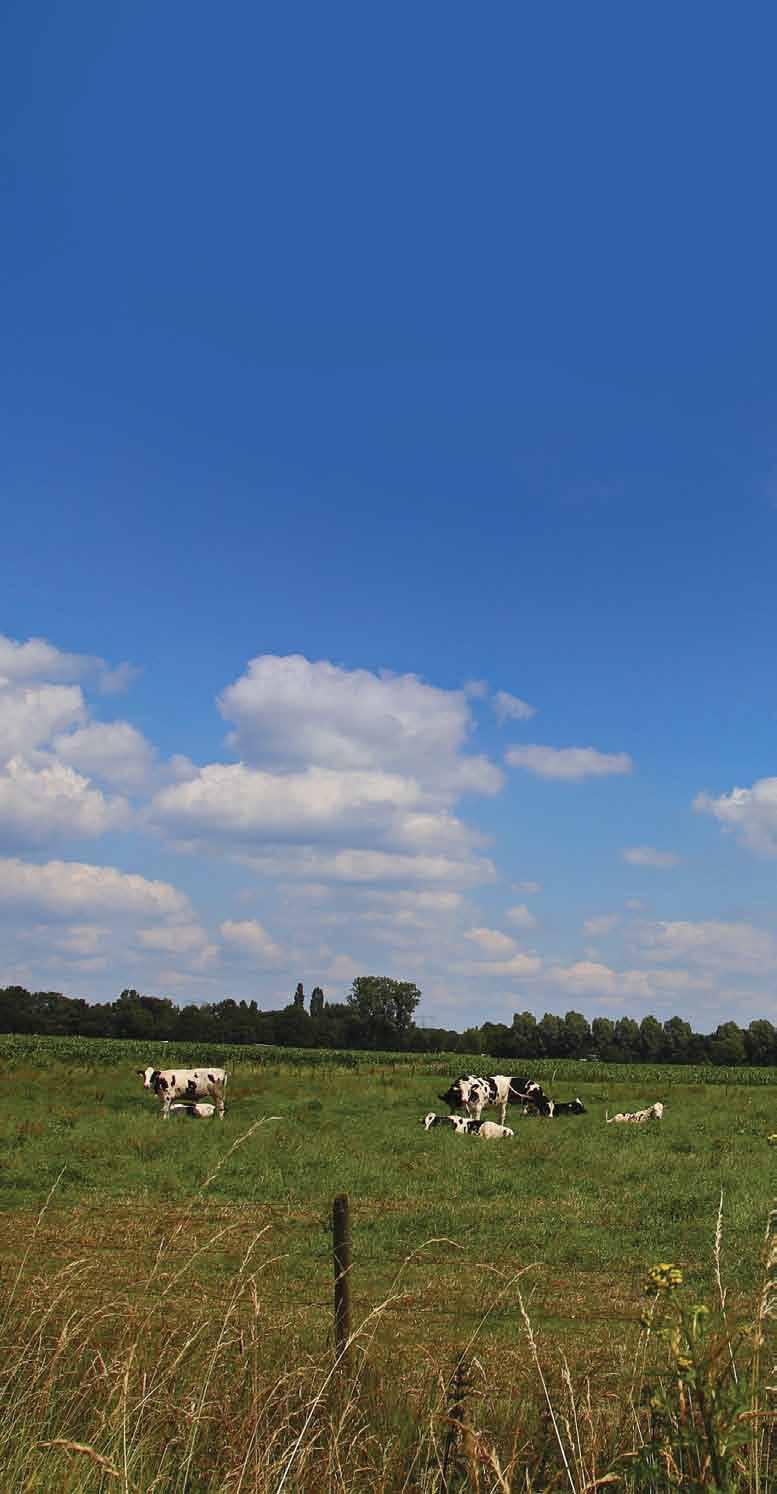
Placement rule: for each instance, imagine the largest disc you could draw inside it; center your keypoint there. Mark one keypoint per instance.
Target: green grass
(583, 1209)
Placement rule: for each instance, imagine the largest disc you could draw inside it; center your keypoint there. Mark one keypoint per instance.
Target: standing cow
(188, 1085)
(472, 1093)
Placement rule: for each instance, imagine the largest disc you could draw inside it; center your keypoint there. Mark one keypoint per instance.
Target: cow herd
(473, 1093)
(199, 1095)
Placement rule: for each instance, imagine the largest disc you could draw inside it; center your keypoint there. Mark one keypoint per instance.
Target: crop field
(167, 1288)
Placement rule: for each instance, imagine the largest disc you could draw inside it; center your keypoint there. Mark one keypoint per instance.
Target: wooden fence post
(341, 1224)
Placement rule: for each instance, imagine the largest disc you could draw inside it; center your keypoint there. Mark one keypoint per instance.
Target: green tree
(603, 1039)
(677, 1040)
(727, 1045)
(384, 1008)
(316, 1002)
(651, 1040)
(627, 1039)
(761, 1042)
(550, 1034)
(575, 1035)
(526, 1040)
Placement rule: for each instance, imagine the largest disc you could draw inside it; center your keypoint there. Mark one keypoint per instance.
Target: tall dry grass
(99, 1392)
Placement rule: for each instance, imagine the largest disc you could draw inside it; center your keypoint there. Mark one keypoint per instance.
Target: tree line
(379, 1013)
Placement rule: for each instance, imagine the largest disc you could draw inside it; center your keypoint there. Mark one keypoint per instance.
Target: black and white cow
(456, 1122)
(472, 1093)
(465, 1126)
(193, 1112)
(569, 1107)
(188, 1085)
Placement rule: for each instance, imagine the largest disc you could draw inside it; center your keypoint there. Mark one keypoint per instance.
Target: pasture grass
(181, 1328)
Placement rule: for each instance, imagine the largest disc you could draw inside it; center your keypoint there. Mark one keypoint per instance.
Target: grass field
(153, 1235)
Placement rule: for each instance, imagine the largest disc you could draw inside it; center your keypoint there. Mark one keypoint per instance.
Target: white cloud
(521, 916)
(604, 923)
(80, 891)
(511, 708)
(294, 710)
(37, 659)
(37, 805)
(650, 856)
(113, 751)
(248, 937)
(342, 970)
(568, 763)
(492, 942)
(232, 802)
(362, 866)
(182, 938)
(30, 714)
(518, 966)
(712, 942)
(598, 981)
(750, 813)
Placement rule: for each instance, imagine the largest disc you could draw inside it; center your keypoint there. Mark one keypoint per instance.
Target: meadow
(167, 1288)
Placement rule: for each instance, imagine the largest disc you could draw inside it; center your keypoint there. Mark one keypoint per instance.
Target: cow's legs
(219, 1102)
(166, 1103)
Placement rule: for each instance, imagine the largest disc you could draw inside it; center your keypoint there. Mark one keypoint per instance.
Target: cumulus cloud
(359, 771)
(568, 763)
(750, 813)
(182, 938)
(29, 715)
(291, 710)
(650, 856)
(492, 942)
(113, 751)
(242, 804)
(518, 966)
(37, 659)
(77, 890)
(521, 916)
(711, 942)
(359, 866)
(600, 982)
(511, 708)
(247, 937)
(40, 804)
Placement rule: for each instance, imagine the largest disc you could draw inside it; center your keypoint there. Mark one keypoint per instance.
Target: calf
(568, 1107)
(455, 1121)
(472, 1093)
(187, 1085)
(195, 1112)
(638, 1117)
(488, 1130)
(464, 1126)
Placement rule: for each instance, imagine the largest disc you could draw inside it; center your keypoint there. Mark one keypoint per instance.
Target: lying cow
(568, 1107)
(188, 1085)
(454, 1121)
(472, 1093)
(194, 1112)
(487, 1130)
(638, 1117)
(464, 1126)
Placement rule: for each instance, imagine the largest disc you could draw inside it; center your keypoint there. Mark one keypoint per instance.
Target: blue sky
(392, 393)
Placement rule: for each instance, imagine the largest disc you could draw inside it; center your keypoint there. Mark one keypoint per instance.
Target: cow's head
(148, 1076)
(458, 1094)
(428, 1120)
(577, 1107)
